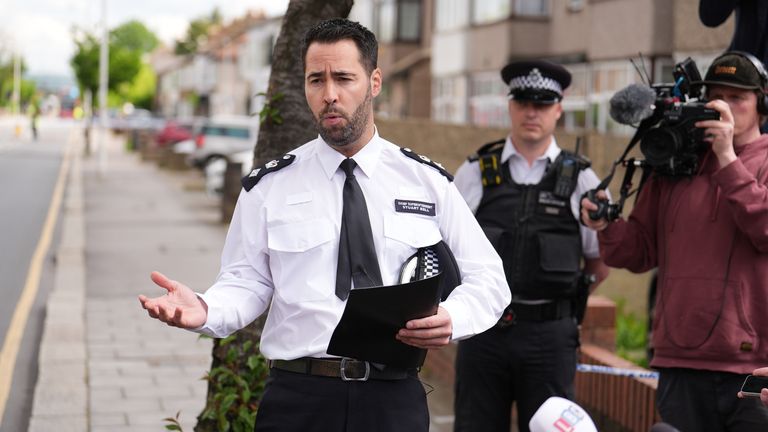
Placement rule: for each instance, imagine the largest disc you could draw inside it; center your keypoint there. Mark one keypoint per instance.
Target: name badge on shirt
(415, 207)
(550, 204)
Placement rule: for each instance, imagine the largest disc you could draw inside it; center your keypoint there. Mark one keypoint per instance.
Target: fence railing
(615, 403)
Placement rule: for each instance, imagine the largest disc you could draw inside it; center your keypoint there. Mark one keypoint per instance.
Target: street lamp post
(103, 82)
(16, 91)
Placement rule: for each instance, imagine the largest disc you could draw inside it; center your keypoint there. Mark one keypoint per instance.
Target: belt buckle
(343, 370)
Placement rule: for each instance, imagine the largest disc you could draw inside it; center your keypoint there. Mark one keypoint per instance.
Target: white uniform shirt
(282, 247)
(469, 182)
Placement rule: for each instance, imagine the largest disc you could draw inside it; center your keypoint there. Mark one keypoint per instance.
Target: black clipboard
(373, 316)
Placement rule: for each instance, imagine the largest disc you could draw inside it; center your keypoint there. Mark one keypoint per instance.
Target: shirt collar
(367, 158)
(552, 152)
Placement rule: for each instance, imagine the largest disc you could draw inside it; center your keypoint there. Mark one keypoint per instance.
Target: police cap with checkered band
(536, 81)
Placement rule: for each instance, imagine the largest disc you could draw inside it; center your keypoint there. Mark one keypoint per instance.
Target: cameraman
(708, 235)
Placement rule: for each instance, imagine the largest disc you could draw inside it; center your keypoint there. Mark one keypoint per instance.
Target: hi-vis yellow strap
(490, 171)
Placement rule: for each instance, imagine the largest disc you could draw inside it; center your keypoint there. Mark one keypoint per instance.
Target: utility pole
(103, 82)
(16, 91)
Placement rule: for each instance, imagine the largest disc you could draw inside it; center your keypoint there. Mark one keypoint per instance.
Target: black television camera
(673, 145)
(669, 140)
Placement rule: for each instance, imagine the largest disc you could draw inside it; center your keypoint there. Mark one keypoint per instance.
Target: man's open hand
(179, 307)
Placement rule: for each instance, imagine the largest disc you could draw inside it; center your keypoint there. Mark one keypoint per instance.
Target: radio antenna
(640, 69)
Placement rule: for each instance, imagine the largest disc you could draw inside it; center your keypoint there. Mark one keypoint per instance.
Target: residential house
(594, 39)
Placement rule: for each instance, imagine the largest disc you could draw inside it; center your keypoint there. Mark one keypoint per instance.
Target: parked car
(138, 119)
(214, 171)
(222, 137)
(177, 130)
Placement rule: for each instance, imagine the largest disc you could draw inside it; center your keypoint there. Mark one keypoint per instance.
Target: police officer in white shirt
(286, 241)
(525, 193)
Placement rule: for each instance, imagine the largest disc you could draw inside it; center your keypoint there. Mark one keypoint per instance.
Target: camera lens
(660, 145)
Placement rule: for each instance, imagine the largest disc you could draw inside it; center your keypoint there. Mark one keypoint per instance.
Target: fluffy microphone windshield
(632, 104)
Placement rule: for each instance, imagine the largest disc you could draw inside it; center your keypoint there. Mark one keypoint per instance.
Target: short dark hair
(338, 29)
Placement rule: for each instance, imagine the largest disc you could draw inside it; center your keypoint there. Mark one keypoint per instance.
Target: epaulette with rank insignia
(253, 178)
(427, 161)
(491, 147)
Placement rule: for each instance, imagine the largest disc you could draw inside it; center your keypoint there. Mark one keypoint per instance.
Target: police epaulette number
(427, 161)
(253, 178)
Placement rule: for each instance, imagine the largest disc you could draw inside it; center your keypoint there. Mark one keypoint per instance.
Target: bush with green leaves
(238, 383)
(631, 336)
(235, 386)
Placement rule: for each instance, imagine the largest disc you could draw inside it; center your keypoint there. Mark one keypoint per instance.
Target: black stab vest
(534, 232)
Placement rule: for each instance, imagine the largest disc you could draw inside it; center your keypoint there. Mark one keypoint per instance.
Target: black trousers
(305, 403)
(525, 363)
(699, 400)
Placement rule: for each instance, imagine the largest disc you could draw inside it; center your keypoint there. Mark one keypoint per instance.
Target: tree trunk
(286, 97)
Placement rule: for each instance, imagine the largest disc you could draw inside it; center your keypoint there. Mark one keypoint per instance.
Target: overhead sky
(41, 29)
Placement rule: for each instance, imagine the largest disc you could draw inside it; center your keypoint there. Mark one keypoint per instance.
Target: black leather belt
(345, 368)
(550, 311)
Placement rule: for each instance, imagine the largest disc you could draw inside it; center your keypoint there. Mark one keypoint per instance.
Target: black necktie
(357, 254)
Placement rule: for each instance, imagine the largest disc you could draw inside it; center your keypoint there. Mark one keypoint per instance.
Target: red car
(177, 130)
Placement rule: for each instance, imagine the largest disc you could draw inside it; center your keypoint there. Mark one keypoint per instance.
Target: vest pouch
(560, 262)
(494, 235)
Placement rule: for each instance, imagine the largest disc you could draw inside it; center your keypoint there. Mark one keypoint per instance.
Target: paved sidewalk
(132, 220)
(104, 365)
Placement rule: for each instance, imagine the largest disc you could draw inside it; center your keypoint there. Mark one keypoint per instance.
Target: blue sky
(41, 28)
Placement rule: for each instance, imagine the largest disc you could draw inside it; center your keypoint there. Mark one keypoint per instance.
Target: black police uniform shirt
(282, 246)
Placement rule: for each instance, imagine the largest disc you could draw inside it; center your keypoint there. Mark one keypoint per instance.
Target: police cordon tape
(607, 370)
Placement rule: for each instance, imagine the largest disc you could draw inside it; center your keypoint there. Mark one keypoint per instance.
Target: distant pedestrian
(343, 211)
(34, 115)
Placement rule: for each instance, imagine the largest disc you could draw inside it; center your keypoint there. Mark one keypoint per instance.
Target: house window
(531, 7)
(451, 14)
(398, 20)
(486, 11)
(488, 103)
(385, 20)
(409, 20)
(575, 5)
(449, 100)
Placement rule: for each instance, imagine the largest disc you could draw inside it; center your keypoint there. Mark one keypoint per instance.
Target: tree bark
(296, 128)
(287, 79)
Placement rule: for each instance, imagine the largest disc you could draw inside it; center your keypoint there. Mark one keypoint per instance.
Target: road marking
(21, 312)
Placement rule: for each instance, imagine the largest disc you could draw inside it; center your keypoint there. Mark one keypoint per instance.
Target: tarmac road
(29, 171)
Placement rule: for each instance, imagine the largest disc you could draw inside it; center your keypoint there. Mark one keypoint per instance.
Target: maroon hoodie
(708, 235)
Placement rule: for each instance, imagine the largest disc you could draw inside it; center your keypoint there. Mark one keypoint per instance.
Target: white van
(223, 136)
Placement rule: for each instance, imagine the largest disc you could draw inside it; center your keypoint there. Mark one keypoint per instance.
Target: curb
(61, 392)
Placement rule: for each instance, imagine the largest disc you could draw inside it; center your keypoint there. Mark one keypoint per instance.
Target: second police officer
(525, 193)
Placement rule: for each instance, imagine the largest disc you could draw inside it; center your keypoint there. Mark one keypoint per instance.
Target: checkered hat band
(431, 263)
(535, 81)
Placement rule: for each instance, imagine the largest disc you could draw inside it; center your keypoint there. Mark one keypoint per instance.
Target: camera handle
(609, 211)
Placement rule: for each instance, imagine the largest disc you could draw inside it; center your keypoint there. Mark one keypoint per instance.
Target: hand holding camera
(596, 211)
(719, 133)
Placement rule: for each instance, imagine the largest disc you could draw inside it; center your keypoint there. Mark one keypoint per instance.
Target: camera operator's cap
(536, 81)
(733, 70)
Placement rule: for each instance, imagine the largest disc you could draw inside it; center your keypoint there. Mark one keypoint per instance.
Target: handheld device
(753, 384)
